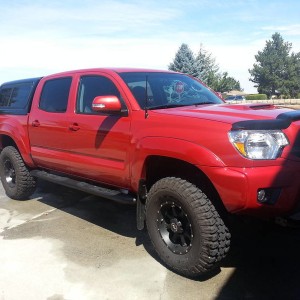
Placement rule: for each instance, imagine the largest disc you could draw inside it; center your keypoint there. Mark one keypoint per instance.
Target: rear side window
(55, 94)
(15, 96)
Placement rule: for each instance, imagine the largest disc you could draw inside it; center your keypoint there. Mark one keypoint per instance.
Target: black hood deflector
(282, 121)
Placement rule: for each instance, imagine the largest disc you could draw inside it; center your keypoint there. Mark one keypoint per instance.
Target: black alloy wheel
(9, 173)
(175, 228)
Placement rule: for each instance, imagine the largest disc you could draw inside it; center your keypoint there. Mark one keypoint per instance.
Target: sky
(41, 37)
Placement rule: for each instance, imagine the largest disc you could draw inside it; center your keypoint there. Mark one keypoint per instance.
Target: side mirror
(106, 104)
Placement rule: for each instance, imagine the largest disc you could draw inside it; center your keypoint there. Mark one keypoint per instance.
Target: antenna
(146, 98)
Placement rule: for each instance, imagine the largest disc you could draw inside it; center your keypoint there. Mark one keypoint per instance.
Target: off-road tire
(186, 231)
(15, 177)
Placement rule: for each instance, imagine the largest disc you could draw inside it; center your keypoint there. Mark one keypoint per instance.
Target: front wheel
(185, 229)
(15, 177)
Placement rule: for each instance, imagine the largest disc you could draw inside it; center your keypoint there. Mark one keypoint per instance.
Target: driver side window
(90, 87)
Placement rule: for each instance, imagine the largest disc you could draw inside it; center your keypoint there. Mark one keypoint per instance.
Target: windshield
(230, 98)
(167, 90)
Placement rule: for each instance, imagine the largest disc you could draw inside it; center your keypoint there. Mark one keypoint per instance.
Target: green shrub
(257, 97)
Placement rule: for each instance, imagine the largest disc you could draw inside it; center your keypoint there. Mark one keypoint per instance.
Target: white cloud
(42, 37)
(91, 18)
(236, 59)
(292, 29)
(48, 55)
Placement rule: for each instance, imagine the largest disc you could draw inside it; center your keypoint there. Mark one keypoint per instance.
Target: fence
(273, 101)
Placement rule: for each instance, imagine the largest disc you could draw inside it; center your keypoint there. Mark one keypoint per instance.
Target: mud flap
(140, 214)
(140, 205)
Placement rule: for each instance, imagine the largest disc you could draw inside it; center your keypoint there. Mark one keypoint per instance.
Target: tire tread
(215, 234)
(25, 184)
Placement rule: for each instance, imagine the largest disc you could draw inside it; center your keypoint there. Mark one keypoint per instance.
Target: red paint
(106, 104)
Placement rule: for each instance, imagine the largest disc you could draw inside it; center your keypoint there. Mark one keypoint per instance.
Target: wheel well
(6, 140)
(158, 167)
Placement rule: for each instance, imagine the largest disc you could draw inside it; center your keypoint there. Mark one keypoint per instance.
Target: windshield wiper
(179, 105)
(167, 106)
(201, 103)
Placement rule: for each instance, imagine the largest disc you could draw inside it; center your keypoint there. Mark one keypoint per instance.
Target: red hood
(227, 113)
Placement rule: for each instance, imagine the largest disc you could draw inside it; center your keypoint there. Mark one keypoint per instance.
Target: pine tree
(206, 66)
(184, 61)
(203, 67)
(272, 72)
(292, 78)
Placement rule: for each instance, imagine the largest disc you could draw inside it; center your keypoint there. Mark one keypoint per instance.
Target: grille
(296, 147)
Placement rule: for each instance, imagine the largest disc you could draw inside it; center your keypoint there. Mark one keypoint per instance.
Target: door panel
(80, 142)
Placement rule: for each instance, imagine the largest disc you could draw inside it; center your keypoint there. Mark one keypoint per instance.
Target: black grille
(296, 147)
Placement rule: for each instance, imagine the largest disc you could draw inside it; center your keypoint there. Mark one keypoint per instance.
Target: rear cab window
(16, 96)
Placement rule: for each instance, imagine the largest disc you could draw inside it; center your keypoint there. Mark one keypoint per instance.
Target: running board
(115, 195)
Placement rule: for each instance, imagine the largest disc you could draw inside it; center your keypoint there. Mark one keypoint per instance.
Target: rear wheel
(185, 228)
(15, 177)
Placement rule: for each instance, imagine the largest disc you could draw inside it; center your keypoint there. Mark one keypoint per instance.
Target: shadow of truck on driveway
(265, 256)
(266, 259)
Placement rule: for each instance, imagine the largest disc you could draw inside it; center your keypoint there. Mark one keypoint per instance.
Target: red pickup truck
(160, 140)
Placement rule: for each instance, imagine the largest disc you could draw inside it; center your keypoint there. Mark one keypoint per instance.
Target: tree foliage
(203, 66)
(206, 66)
(276, 71)
(225, 83)
(293, 79)
(184, 61)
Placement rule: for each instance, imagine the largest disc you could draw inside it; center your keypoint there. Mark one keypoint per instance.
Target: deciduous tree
(225, 83)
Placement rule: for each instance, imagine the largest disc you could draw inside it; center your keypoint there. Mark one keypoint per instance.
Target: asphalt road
(62, 244)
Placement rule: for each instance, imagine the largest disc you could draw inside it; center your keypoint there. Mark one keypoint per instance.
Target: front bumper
(238, 188)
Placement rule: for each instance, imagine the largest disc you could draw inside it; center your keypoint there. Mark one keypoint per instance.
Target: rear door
(49, 121)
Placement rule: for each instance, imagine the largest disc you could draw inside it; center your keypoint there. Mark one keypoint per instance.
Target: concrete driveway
(62, 244)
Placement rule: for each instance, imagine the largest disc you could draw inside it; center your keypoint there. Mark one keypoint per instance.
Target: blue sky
(43, 37)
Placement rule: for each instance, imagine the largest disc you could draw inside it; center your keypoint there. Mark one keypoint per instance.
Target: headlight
(259, 144)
